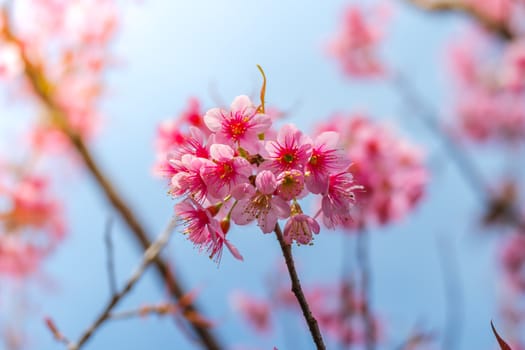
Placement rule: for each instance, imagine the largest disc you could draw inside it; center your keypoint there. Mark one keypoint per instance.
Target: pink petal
(241, 103)
(261, 123)
(221, 152)
(233, 250)
(213, 119)
(266, 182)
(328, 138)
(241, 215)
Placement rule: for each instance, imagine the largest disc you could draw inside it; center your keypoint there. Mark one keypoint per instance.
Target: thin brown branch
(500, 28)
(59, 337)
(298, 290)
(43, 89)
(363, 259)
(150, 256)
(110, 263)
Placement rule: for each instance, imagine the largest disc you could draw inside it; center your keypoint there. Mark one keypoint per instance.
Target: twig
(150, 255)
(59, 337)
(160, 309)
(44, 92)
(500, 28)
(110, 256)
(347, 287)
(364, 265)
(453, 295)
(298, 291)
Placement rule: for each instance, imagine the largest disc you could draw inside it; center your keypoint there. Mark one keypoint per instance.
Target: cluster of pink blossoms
(63, 46)
(390, 169)
(31, 224)
(235, 167)
(491, 92)
(67, 40)
(355, 46)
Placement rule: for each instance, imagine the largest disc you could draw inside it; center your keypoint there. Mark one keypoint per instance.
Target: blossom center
(225, 170)
(288, 158)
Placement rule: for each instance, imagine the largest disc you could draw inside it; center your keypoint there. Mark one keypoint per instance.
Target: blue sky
(172, 50)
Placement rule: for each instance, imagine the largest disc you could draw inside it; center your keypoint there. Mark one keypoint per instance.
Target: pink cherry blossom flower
(355, 46)
(18, 258)
(290, 184)
(186, 134)
(31, 226)
(327, 158)
(262, 205)
(290, 151)
(299, 228)
(188, 177)
(389, 169)
(226, 171)
(338, 200)
(490, 91)
(32, 208)
(204, 230)
(240, 126)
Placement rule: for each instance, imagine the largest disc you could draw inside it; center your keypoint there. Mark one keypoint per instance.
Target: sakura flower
(355, 46)
(338, 199)
(240, 126)
(262, 205)
(188, 178)
(185, 134)
(290, 151)
(300, 227)
(31, 225)
(32, 207)
(326, 158)
(18, 258)
(291, 184)
(226, 172)
(204, 230)
(490, 91)
(389, 169)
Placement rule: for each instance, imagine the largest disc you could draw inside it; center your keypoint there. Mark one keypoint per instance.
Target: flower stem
(298, 290)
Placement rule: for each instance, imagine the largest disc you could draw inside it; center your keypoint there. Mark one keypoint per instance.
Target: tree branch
(298, 291)
(43, 90)
(364, 267)
(150, 255)
(500, 28)
(112, 278)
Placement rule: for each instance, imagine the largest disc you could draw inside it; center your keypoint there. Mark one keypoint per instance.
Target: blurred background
(436, 268)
